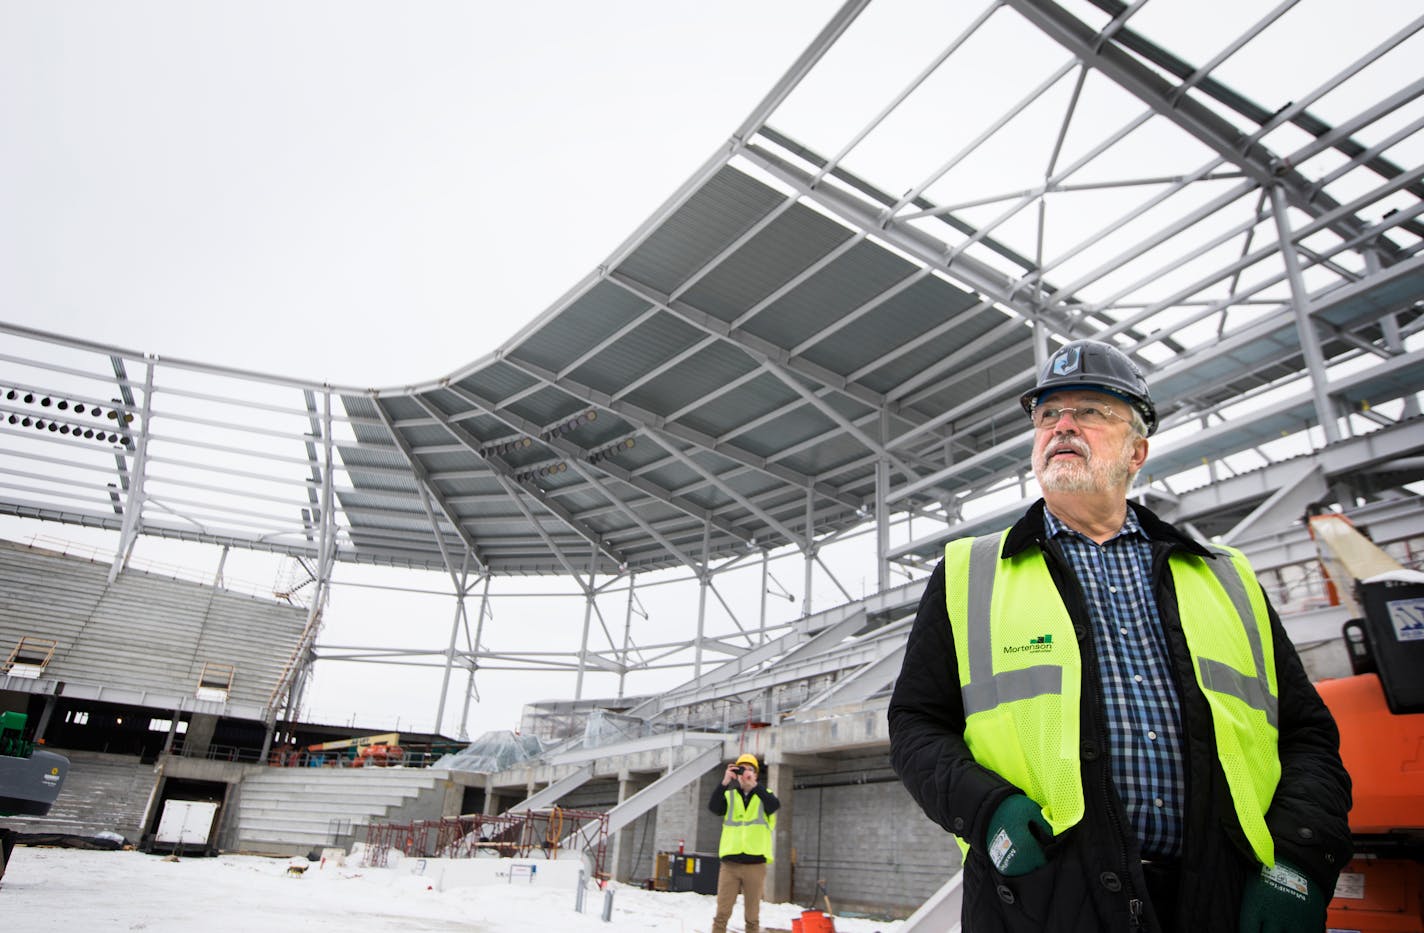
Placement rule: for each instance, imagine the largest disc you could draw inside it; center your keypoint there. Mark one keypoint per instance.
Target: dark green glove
(1016, 833)
(1282, 900)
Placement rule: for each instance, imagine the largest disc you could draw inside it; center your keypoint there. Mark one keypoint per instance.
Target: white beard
(1085, 473)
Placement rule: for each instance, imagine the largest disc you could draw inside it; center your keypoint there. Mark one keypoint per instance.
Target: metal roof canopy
(786, 350)
(738, 371)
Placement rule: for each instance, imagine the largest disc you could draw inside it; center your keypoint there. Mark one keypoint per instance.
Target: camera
(739, 769)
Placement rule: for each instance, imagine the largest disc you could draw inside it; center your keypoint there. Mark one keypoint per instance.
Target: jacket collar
(1029, 530)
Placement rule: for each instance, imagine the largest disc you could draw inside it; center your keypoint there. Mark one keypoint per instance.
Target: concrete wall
(684, 816)
(870, 843)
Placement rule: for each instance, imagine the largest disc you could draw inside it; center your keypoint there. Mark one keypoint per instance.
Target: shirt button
(1112, 589)
(1123, 630)
(1152, 735)
(1157, 802)
(1137, 677)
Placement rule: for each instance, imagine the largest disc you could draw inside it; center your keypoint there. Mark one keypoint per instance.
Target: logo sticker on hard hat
(1067, 361)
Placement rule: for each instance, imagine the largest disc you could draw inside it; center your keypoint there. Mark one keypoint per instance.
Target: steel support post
(882, 525)
(460, 584)
(627, 635)
(222, 563)
(1393, 338)
(810, 550)
(326, 554)
(1300, 302)
(588, 598)
(704, 580)
(1040, 346)
(133, 508)
(474, 659)
(765, 573)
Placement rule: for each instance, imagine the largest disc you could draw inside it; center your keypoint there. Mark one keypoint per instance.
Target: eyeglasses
(1085, 416)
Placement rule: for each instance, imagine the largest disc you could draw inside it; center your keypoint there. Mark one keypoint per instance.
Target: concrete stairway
(101, 793)
(291, 811)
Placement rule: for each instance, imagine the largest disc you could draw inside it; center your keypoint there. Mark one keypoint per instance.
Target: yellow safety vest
(746, 829)
(1020, 675)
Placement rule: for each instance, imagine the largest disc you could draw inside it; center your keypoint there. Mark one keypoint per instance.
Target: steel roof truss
(503, 471)
(993, 128)
(642, 523)
(604, 466)
(909, 89)
(645, 420)
(422, 477)
(1192, 116)
(759, 350)
(692, 464)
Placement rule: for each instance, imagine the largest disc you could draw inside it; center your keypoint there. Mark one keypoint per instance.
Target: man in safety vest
(1107, 713)
(748, 812)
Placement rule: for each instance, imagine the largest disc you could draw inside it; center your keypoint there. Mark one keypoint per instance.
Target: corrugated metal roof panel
(723, 209)
(746, 403)
(850, 281)
(694, 378)
(496, 381)
(591, 319)
(654, 342)
(909, 314)
(773, 257)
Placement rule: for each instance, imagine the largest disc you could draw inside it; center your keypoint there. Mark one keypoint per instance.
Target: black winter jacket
(1093, 880)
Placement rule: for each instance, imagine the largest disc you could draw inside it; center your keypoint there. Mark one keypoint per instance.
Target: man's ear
(1139, 453)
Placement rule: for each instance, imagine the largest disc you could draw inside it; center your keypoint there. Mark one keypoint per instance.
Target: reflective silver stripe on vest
(732, 805)
(1255, 692)
(986, 689)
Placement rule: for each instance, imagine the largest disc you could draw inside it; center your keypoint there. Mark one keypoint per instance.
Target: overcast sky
(358, 192)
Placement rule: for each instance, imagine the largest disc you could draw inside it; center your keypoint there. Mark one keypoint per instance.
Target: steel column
(1300, 303)
(133, 509)
(454, 637)
(475, 659)
(301, 660)
(765, 572)
(589, 595)
(810, 551)
(627, 632)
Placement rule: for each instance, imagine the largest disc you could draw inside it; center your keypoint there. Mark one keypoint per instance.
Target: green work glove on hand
(1282, 900)
(1016, 833)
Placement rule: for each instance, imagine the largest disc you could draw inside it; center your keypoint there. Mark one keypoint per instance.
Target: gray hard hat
(1097, 366)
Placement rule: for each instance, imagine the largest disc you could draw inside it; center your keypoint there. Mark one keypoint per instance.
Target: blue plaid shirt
(1134, 667)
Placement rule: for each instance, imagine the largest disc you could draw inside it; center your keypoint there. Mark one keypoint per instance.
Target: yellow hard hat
(749, 759)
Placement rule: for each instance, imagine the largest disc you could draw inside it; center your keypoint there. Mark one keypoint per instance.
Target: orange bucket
(813, 921)
(796, 925)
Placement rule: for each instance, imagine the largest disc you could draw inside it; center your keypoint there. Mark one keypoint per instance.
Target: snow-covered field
(53, 889)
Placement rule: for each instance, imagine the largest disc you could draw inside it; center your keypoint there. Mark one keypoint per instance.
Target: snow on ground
(46, 889)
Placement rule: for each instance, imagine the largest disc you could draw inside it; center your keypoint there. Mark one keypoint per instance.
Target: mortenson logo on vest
(1041, 643)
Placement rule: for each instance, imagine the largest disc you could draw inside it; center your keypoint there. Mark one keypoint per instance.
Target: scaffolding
(525, 834)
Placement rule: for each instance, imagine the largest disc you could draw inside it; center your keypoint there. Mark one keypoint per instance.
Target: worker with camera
(748, 812)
